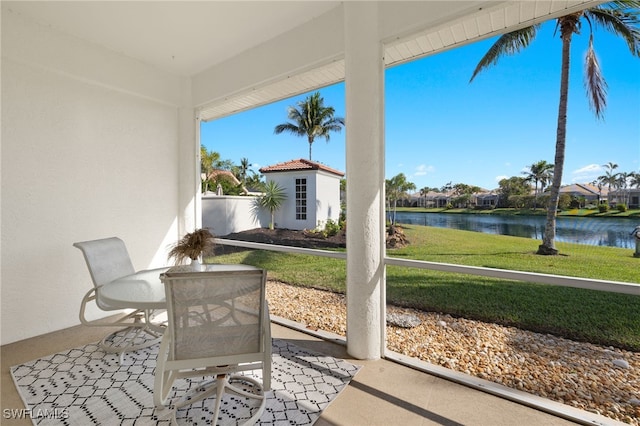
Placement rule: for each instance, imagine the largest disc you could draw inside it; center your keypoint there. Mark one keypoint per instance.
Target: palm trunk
(548, 241)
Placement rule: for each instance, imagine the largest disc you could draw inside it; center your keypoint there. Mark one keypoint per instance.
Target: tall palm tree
(244, 168)
(423, 194)
(620, 18)
(311, 119)
(539, 172)
(622, 182)
(609, 178)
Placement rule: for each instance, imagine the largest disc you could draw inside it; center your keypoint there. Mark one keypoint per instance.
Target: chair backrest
(107, 259)
(217, 317)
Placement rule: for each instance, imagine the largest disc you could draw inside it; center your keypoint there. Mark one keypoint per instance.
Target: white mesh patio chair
(108, 259)
(218, 328)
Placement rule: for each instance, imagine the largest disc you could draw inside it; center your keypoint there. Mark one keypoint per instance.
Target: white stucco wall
(323, 198)
(83, 157)
(227, 214)
(328, 194)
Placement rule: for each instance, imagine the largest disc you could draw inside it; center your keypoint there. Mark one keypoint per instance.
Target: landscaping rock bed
(603, 380)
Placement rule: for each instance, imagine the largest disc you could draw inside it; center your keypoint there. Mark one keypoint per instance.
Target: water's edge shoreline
(577, 213)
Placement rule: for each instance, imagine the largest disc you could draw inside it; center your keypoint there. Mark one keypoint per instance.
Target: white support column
(189, 216)
(364, 85)
(190, 207)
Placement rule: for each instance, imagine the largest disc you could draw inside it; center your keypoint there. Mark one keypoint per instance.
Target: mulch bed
(285, 237)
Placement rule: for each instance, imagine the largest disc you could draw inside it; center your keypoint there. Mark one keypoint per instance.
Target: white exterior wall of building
(323, 198)
(285, 216)
(227, 214)
(90, 149)
(328, 196)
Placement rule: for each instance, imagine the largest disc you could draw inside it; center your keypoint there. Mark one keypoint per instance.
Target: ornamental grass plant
(192, 246)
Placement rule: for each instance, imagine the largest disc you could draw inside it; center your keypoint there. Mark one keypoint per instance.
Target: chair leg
(164, 378)
(138, 323)
(221, 385)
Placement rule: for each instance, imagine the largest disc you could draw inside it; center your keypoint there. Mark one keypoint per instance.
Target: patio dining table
(145, 290)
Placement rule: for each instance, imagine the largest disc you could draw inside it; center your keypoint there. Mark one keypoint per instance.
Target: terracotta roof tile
(299, 164)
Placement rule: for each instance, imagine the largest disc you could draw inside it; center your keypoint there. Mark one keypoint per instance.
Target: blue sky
(440, 128)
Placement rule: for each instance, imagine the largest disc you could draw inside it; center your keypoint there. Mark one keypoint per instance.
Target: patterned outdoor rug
(88, 386)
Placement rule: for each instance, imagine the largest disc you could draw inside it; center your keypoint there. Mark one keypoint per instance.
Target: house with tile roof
(591, 193)
(312, 191)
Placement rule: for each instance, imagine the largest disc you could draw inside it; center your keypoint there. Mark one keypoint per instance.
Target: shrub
(564, 201)
(622, 207)
(603, 208)
(331, 228)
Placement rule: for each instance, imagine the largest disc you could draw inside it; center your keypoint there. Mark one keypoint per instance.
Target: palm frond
(289, 128)
(621, 18)
(594, 82)
(507, 44)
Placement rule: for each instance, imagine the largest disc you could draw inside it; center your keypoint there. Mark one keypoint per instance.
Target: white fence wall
(226, 214)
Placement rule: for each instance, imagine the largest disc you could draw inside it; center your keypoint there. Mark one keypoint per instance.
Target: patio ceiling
(181, 37)
(186, 38)
(451, 25)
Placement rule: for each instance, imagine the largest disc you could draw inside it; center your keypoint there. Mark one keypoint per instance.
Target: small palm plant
(192, 246)
(274, 196)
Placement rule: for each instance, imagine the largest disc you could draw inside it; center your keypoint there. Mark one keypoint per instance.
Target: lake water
(579, 230)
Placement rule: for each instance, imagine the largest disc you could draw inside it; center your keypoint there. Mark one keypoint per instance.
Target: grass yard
(586, 315)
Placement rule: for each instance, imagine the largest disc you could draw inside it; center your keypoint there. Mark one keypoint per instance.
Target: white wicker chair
(218, 325)
(108, 259)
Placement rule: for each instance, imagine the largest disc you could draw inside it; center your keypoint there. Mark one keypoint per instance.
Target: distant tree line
(528, 191)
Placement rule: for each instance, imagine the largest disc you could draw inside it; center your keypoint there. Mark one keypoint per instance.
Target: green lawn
(594, 316)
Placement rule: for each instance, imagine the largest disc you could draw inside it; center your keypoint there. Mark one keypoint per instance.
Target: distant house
(313, 193)
(591, 193)
(434, 199)
(431, 199)
(486, 199)
(628, 196)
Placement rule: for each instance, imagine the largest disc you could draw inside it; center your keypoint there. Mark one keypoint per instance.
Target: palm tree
(396, 188)
(244, 168)
(273, 197)
(423, 194)
(311, 119)
(620, 18)
(208, 161)
(539, 172)
(609, 178)
(621, 186)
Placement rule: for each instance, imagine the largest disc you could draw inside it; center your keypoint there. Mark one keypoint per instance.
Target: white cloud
(587, 173)
(590, 169)
(423, 170)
